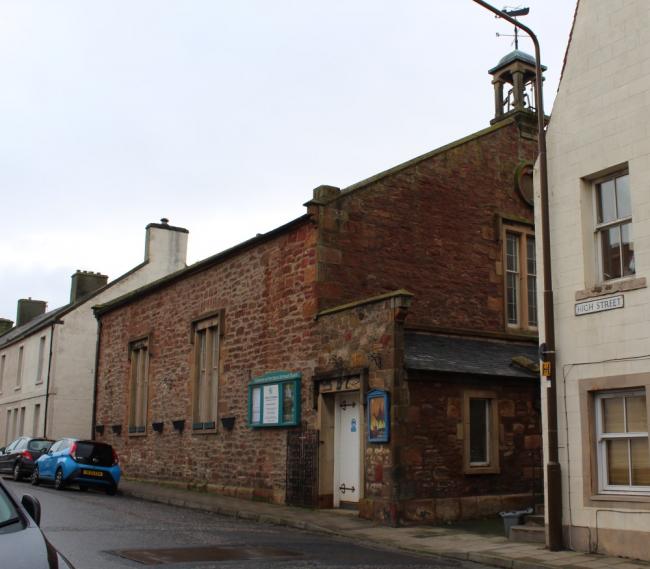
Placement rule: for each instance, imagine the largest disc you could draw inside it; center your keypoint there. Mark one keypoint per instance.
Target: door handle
(343, 488)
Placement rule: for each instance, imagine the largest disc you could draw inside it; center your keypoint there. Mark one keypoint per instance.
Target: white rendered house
(599, 187)
(47, 361)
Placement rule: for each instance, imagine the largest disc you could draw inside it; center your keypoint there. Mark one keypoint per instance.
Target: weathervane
(514, 12)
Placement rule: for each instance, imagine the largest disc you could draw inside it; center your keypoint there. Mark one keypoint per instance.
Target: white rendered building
(599, 185)
(47, 361)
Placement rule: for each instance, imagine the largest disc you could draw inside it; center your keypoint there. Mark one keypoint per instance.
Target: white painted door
(347, 444)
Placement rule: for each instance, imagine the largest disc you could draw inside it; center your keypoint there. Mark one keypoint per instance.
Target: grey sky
(221, 116)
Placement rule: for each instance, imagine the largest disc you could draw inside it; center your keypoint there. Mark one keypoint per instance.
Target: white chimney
(166, 246)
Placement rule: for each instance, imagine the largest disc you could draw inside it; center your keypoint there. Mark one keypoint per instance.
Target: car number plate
(92, 473)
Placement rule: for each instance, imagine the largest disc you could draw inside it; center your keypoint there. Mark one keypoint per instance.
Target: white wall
(72, 371)
(601, 118)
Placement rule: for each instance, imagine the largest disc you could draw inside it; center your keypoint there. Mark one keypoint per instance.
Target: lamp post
(553, 474)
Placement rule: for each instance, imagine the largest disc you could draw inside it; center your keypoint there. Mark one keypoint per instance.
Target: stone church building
(378, 352)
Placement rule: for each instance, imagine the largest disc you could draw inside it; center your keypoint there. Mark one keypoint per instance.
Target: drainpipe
(95, 379)
(47, 383)
(547, 350)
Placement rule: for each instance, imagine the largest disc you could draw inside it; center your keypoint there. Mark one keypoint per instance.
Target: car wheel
(83, 488)
(16, 473)
(111, 490)
(58, 480)
(35, 477)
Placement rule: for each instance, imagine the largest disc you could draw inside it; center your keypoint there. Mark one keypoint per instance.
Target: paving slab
(444, 541)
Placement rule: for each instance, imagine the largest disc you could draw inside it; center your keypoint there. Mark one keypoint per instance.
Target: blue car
(85, 463)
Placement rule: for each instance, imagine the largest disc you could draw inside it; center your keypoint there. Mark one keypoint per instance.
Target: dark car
(22, 544)
(84, 463)
(19, 457)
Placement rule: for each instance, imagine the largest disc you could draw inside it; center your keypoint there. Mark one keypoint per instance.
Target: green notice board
(274, 400)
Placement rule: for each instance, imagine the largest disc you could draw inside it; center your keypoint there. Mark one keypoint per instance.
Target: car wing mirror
(33, 507)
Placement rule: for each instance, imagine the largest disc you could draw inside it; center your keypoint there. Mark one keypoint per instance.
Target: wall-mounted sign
(600, 305)
(378, 416)
(274, 400)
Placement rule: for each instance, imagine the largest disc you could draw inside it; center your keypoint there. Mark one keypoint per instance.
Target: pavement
(456, 542)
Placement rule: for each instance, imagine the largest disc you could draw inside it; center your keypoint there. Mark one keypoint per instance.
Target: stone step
(534, 520)
(529, 534)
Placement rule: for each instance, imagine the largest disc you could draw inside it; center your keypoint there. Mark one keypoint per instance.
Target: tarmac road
(91, 528)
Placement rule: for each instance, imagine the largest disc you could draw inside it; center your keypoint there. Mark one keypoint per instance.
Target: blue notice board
(274, 400)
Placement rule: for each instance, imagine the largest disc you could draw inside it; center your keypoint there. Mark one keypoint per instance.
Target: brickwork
(267, 296)
(430, 228)
(431, 453)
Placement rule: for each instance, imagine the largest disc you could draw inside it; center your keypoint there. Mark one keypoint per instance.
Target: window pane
(512, 278)
(640, 453)
(627, 248)
(624, 209)
(478, 430)
(611, 252)
(512, 253)
(606, 202)
(287, 402)
(617, 462)
(532, 281)
(636, 414)
(613, 421)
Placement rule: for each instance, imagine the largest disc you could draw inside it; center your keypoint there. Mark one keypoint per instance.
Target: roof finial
(514, 12)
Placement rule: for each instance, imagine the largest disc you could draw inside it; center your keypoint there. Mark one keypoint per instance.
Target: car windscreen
(39, 445)
(94, 453)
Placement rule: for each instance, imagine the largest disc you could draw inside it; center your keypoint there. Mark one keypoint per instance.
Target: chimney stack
(29, 309)
(84, 283)
(5, 325)
(166, 245)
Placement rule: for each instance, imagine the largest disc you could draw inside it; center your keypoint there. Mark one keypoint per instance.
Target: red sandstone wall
(431, 453)
(267, 294)
(430, 229)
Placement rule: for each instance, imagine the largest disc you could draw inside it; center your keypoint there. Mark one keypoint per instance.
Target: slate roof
(37, 323)
(432, 352)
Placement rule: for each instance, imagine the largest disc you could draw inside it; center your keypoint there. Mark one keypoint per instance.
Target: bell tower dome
(514, 85)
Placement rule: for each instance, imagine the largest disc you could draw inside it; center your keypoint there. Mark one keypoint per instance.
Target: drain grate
(203, 553)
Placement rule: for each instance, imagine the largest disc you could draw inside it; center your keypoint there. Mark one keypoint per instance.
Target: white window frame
(41, 360)
(599, 228)
(601, 443)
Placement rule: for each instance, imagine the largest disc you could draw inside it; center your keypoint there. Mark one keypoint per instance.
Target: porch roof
(476, 356)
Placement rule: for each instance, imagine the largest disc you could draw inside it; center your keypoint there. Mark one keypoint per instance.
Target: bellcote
(514, 85)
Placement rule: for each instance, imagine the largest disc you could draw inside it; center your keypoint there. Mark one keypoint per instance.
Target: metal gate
(302, 468)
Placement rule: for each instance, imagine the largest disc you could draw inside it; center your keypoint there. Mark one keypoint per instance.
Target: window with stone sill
(138, 392)
(613, 228)
(520, 277)
(481, 433)
(205, 374)
(623, 448)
